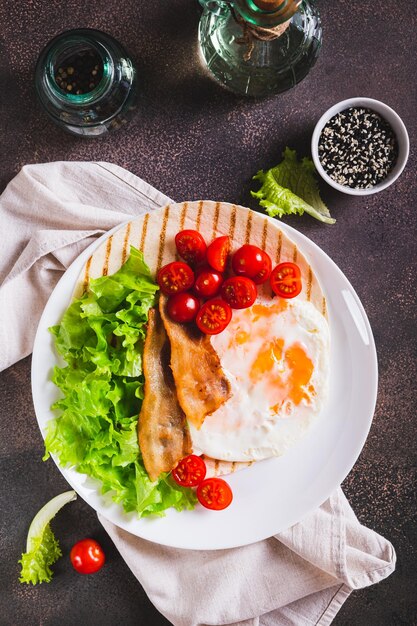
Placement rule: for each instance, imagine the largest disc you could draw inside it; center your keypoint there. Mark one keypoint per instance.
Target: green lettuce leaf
(36, 565)
(291, 188)
(42, 547)
(101, 338)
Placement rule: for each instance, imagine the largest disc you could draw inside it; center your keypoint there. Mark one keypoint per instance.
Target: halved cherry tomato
(175, 277)
(286, 280)
(252, 262)
(214, 316)
(239, 291)
(182, 307)
(191, 246)
(214, 493)
(190, 471)
(208, 283)
(87, 556)
(217, 253)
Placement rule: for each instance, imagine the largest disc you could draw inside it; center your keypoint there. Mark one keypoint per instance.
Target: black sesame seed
(360, 144)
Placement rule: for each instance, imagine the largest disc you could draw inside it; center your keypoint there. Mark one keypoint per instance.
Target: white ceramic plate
(271, 495)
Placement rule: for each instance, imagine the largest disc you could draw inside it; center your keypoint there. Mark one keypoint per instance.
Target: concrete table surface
(192, 139)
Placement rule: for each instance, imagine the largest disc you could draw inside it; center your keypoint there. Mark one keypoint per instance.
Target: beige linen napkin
(48, 214)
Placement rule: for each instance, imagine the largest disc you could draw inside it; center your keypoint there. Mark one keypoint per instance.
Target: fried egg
(276, 356)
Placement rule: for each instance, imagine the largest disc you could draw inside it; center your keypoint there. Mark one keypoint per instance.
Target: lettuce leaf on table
(291, 188)
(42, 547)
(101, 338)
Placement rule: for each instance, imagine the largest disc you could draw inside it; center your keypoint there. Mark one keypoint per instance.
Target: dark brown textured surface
(193, 140)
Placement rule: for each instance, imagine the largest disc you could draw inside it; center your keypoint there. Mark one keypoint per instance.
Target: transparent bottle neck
(67, 48)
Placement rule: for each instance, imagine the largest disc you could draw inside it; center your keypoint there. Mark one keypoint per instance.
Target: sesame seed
(358, 148)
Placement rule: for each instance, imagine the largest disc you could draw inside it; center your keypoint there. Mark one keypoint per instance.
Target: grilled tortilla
(154, 232)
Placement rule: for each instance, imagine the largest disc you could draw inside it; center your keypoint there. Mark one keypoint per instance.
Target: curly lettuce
(42, 547)
(291, 188)
(101, 338)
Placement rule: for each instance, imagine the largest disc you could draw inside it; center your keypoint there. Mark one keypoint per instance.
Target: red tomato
(182, 307)
(214, 493)
(217, 253)
(239, 291)
(286, 280)
(190, 471)
(175, 277)
(248, 261)
(263, 275)
(87, 556)
(191, 246)
(207, 283)
(214, 316)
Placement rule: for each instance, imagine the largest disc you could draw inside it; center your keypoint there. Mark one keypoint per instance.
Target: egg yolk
(292, 382)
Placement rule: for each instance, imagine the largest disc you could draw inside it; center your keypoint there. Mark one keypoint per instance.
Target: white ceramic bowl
(397, 126)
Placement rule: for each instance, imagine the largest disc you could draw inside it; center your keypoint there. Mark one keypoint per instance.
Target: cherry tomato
(191, 246)
(208, 283)
(248, 261)
(263, 275)
(217, 253)
(87, 556)
(190, 471)
(175, 277)
(182, 307)
(214, 493)
(239, 291)
(286, 280)
(214, 316)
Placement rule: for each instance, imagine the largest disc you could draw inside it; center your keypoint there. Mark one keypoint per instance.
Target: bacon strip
(163, 433)
(201, 384)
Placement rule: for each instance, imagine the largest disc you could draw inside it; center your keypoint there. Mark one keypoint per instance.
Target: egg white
(276, 357)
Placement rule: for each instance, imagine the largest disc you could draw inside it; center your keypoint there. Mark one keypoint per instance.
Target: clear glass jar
(237, 48)
(86, 82)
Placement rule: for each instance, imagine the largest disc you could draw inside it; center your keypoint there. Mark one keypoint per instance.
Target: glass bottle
(86, 82)
(259, 47)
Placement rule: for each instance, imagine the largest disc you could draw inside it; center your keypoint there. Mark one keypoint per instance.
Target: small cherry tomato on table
(175, 277)
(214, 316)
(87, 556)
(252, 262)
(207, 283)
(182, 307)
(285, 280)
(214, 493)
(191, 246)
(190, 471)
(217, 253)
(239, 291)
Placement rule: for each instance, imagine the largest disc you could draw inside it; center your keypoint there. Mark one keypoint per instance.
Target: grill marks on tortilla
(144, 231)
(201, 384)
(216, 219)
(183, 214)
(162, 238)
(105, 270)
(248, 227)
(279, 247)
(264, 234)
(86, 280)
(126, 242)
(199, 213)
(232, 222)
(163, 433)
(294, 255)
(309, 283)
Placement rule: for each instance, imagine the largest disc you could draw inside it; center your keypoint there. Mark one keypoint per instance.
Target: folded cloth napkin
(48, 214)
